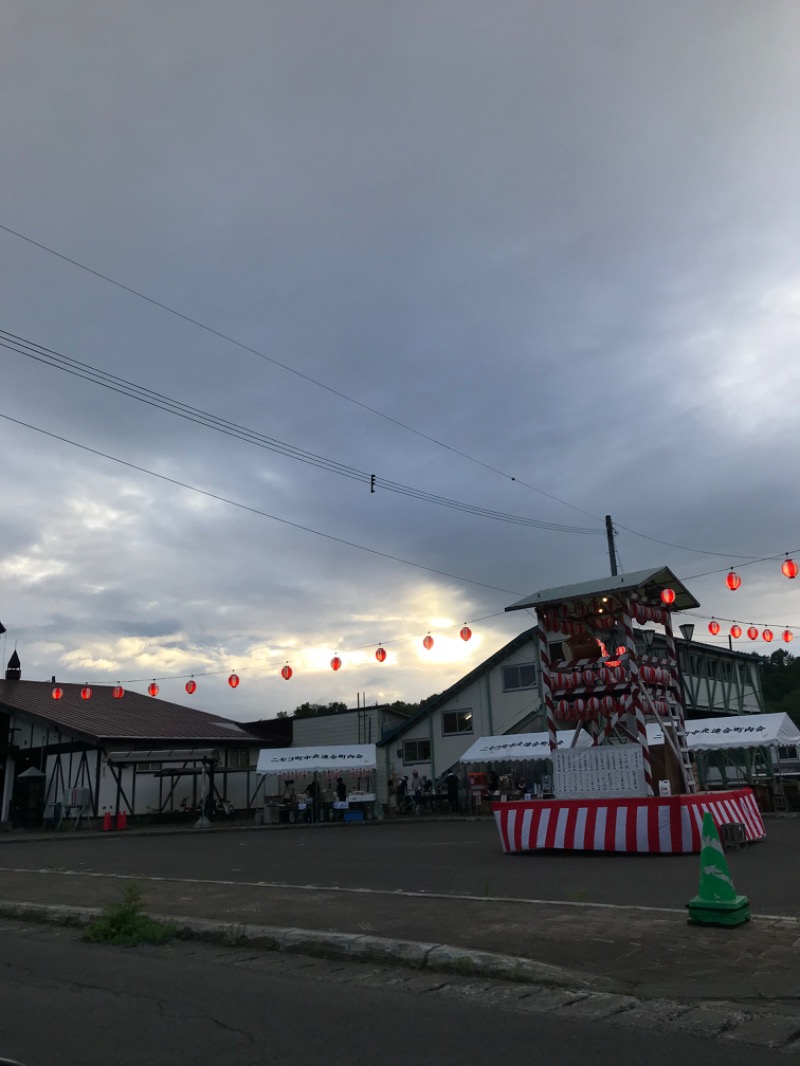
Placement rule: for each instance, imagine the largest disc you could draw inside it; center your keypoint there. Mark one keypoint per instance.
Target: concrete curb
(435, 958)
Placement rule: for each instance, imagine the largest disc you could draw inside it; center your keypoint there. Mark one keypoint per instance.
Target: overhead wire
(337, 392)
(85, 371)
(252, 510)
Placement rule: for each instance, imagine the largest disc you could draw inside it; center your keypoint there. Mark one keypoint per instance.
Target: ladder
(674, 730)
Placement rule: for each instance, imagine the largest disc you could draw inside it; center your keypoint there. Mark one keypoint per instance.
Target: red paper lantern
(336, 662)
(752, 633)
(428, 642)
(563, 708)
(466, 633)
(733, 581)
(57, 693)
(713, 627)
(118, 692)
(233, 680)
(789, 568)
(736, 631)
(788, 635)
(668, 596)
(191, 686)
(86, 693)
(380, 655)
(152, 688)
(767, 635)
(286, 672)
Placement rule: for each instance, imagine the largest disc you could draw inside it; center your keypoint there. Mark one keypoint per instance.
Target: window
(416, 751)
(520, 676)
(556, 650)
(148, 767)
(788, 752)
(238, 759)
(454, 723)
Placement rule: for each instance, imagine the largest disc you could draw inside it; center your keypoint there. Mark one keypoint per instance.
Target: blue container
(354, 816)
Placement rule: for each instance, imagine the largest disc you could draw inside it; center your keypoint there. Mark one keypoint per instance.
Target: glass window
(148, 767)
(454, 723)
(416, 751)
(522, 675)
(238, 758)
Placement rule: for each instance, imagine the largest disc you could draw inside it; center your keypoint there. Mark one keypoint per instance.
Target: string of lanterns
(233, 680)
(789, 568)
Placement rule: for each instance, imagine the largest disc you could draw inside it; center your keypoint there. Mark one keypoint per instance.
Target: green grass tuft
(126, 925)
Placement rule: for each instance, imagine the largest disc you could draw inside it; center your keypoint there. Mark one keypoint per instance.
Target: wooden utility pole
(612, 554)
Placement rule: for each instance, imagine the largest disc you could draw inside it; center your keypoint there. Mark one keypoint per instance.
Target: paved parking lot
(448, 857)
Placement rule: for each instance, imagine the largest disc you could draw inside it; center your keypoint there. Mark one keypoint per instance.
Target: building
(103, 754)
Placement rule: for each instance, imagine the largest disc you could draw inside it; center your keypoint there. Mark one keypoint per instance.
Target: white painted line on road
(376, 892)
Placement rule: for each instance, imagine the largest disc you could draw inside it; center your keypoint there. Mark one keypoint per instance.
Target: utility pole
(612, 555)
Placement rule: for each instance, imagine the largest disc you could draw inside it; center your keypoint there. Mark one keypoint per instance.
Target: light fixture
(688, 630)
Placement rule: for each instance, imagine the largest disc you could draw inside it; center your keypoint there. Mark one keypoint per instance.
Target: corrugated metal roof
(135, 717)
(657, 579)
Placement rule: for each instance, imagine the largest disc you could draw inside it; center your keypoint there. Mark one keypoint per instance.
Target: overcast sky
(559, 239)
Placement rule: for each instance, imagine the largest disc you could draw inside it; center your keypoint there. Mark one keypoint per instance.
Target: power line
(344, 396)
(253, 510)
(289, 369)
(85, 371)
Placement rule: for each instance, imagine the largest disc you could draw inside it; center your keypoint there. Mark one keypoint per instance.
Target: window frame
(518, 667)
(416, 741)
(468, 717)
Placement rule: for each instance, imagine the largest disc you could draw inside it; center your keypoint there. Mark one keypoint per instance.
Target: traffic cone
(716, 902)
(107, 821)
(122, 820)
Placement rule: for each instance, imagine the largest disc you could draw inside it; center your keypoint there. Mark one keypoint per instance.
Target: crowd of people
(416, 794)
(315, 801)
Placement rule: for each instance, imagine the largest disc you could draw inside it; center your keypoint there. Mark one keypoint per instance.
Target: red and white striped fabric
(649, 824)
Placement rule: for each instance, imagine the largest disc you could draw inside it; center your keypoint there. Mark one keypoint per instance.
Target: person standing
(452, 793)
(341, 790)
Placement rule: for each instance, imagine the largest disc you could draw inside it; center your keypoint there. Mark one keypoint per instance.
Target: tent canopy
(518, 746)
(736, 731)
(338, 757)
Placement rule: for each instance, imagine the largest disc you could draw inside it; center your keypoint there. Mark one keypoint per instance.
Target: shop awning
(518, 746)
(735, 731)
(339, 757)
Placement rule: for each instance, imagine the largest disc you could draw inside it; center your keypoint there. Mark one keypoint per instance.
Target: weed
(126, 925)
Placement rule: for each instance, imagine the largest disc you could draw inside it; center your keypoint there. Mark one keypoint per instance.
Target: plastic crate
(354, 816)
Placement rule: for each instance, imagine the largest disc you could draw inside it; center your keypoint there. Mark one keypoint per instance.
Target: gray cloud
(557, 239)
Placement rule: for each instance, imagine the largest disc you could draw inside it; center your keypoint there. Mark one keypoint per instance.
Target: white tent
(353, 758)
(518, 746)
(736, 731)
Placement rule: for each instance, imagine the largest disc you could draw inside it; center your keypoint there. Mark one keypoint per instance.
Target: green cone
(716, 902)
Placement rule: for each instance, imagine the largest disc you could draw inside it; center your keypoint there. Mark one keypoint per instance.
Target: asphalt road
(65, 1002)
(458, 858)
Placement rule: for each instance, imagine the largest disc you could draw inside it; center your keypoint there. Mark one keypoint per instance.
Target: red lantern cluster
(465, 633)
(57, 693)
(668, 597)
(427, 643)
(233, 681)
(736, 631)
(286, 672)
(789, 568)
(336, 662)
(86, 693)
(152, 689)
(733, 581)
(380, 655)
(118, 692)
(191, 686)
(713, 627)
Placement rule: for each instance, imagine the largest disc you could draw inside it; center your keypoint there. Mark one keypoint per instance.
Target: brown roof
(133, 718)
